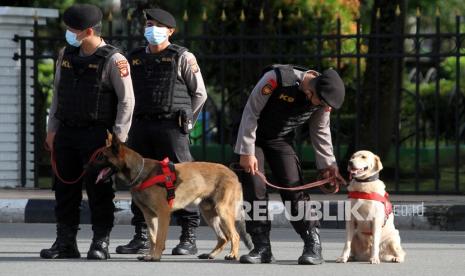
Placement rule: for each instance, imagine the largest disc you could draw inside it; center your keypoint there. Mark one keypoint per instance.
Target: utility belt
(183, 118)
(78, 124)
(157, 117)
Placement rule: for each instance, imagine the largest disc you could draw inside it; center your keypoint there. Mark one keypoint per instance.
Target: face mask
(156, 35)
(71, 38)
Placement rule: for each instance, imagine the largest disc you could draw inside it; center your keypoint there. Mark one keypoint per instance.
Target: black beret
(161, 16)
(82, 16)
(330, 88)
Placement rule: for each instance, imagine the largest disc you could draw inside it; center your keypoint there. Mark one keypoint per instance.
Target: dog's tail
(240, 226)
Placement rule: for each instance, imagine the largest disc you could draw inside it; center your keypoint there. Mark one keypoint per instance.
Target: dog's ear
(113, 142)
(378, 166)
(109, 140)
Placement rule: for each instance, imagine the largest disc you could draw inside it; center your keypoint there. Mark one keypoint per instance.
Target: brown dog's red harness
(166, 180)
(377, 197)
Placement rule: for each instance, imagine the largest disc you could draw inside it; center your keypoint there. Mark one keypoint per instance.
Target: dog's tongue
(102, 174)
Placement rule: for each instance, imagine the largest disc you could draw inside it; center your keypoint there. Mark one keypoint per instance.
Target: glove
(333, 187)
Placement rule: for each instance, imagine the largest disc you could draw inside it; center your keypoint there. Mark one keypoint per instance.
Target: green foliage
(45, 78)
(447, 10)
(444, 101)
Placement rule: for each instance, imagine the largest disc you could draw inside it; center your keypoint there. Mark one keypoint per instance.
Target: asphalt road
(428, 253)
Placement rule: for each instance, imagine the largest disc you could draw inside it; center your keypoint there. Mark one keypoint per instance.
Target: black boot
(261, 253)
(186, 244)
(65, 246)
(312, 248)
(99, 247)
(138, 245)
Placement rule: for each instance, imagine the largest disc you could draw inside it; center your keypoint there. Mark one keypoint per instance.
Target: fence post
(300, 52)
(223, 88)
(437, 63)
(243, 99)
(185, 19)
(23, 110)
(375, 128)
(129, 27)
(398, 89)
(110, 28)
(261, 17)
(37, 100)
(456, 107)
(338, 67)
(359, 85)
(417, 101)
(279, 36)
(319, 40)
(204, 115)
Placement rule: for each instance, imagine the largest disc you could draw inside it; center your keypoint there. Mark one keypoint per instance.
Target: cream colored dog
(371, 235)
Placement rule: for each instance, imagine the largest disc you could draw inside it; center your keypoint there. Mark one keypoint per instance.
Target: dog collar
(139, 174)
(369, 179)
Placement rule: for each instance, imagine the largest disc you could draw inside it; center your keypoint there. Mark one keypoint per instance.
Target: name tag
(65, 63)
(136, 62)
(286, 98)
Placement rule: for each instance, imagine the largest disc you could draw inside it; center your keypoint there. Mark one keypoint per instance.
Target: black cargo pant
(73, 146)
(285, 166)
(157, 140)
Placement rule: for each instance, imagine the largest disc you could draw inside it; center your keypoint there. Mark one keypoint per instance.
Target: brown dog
(215, 188)
(371, 234)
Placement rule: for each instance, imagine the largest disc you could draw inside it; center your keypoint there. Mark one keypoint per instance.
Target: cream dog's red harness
(377, 197)
(165, 180)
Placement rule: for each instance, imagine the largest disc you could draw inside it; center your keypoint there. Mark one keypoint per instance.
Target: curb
(408, 215)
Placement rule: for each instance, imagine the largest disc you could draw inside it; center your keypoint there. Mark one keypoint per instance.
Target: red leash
(55, 169)
(319, 183)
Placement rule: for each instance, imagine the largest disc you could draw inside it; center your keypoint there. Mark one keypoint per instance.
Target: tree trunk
(382, 81)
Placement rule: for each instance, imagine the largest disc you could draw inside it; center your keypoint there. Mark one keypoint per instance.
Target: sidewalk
(412, 212)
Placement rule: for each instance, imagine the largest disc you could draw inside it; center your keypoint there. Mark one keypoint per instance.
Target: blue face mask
(156, 35)
(71, 38)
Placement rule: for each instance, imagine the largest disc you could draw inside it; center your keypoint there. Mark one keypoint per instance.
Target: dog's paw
(148, 258)
(342, 259)
(205, 256)
(374, 260)
(231, 257)
(397, 260)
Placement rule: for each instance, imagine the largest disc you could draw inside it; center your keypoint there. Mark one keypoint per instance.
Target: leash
(55, 169)
(320, 183)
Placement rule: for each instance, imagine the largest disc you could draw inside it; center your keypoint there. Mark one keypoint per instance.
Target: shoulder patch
(268, 88)
(194, 66)
(122, 67)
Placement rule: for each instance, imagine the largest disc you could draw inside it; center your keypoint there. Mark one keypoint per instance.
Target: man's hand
(333, 171)
(249, 163)
(49, 140)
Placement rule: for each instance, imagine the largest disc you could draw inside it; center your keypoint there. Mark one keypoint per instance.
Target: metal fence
(428, 140)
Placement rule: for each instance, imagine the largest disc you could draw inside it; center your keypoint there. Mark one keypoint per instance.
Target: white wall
(16, 21)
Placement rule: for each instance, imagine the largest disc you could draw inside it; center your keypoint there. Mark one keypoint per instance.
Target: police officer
(169, 92)
(285, 98)
(93, 93)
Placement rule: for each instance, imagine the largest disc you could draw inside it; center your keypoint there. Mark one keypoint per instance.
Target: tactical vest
(157, 89)
(287, 108)
(83, 99)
